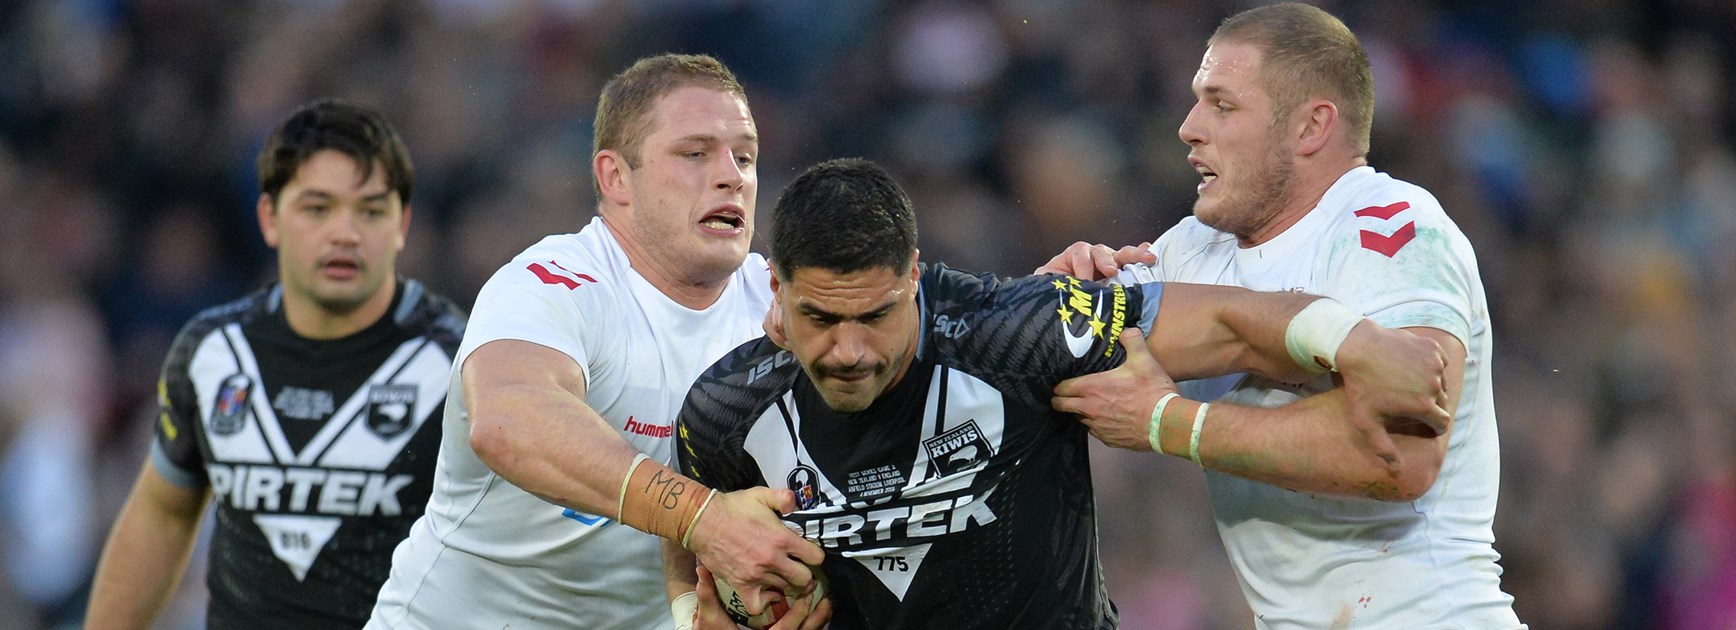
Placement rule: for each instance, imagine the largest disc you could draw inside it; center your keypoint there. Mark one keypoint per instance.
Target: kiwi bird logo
(390, 409)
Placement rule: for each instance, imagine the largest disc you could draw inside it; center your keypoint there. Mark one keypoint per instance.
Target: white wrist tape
(1156, 428)
(1316, 333)
(621, 504)
(1193, 447)
(685, 607)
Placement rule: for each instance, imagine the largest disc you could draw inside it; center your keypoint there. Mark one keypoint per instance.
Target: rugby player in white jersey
(1388, 528)
(552, 474)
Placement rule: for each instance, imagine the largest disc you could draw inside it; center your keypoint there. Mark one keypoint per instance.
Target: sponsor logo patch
(390, 408)
(804, 481)
(229, 409)
(650, 430)
(961, 449)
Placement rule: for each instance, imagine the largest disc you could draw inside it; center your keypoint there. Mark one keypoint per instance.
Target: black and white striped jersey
(959, 499)
(319, 454)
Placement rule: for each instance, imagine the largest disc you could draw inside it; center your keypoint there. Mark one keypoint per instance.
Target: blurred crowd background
(1585, 146)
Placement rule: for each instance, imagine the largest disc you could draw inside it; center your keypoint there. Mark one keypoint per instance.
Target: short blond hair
(624, 108)
(1308, 53)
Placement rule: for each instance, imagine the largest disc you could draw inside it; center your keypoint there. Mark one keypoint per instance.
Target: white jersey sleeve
(1400, 261)
(535, 299)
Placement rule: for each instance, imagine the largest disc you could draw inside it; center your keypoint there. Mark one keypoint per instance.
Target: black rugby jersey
(319, 453)
(959, 498)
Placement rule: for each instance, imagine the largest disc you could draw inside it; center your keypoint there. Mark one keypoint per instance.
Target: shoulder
(559, 269)
(1384, 214)
(425, 313)
(1187, 240)
(741, 384)
(948, 290)
(241, 311)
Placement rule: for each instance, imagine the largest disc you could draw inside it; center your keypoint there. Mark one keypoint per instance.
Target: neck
(311, 321)
(689, 290)
(1303, 198)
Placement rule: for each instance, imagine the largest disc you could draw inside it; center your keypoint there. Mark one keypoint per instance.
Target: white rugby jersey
(488, 554)
(1386, 249)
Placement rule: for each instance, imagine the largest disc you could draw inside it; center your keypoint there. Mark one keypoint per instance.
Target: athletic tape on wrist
(685, 607)
(621, 504)
(1316, 332)
(688, 535)
(661, 502)
(1155, 432)
(1193, 446)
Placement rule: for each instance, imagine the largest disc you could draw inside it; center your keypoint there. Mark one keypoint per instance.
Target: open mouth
(724, 219)
(1207, 175)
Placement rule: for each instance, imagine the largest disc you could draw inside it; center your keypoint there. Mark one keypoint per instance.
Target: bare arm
(1205, 330)
(146, 553)
(1307, 446)
(531, 425)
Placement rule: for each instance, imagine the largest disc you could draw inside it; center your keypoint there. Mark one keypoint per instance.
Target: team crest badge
(389, 408)
(229, 409)
(805, 483)
(961, 449)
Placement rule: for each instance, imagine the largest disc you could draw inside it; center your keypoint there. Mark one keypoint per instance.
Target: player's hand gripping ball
(737, 609)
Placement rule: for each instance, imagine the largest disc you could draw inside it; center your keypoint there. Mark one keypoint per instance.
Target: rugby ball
(737, 609)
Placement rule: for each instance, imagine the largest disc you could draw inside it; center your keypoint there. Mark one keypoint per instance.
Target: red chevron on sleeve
(1389, 245)
(549, 277)
(1384, 212)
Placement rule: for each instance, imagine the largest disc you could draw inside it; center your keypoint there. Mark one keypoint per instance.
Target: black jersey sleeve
(722, 406)
(175, 453)
(424, 312)
(1027, 334)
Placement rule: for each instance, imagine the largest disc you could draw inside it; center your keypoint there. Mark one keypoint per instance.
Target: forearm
(1305, 446)
(1204, 330)
(552, 446)
(679, 565)
(144, 559)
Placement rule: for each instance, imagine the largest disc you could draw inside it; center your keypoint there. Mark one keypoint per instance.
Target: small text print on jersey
(898, 523)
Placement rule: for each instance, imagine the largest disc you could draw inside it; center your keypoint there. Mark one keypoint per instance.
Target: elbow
(1410, 482)
(491, 442)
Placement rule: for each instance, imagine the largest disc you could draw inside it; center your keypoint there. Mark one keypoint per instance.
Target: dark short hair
(351, 129)
(843, 215)
(1306, 53)
(624, 108)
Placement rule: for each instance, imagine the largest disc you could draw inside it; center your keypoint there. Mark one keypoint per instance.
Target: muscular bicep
(500, 371)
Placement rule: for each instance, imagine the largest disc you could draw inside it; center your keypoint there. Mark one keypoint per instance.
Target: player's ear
(267, 220)
(1319, 123)
(404, 227)
(915, 273)
(775, 283)
(609, 168)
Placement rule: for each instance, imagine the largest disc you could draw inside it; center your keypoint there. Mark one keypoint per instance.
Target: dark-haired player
(302, 409)
(912, 410)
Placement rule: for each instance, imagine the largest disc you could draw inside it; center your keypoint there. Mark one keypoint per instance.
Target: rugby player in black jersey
(303, 409)
(911, 414)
